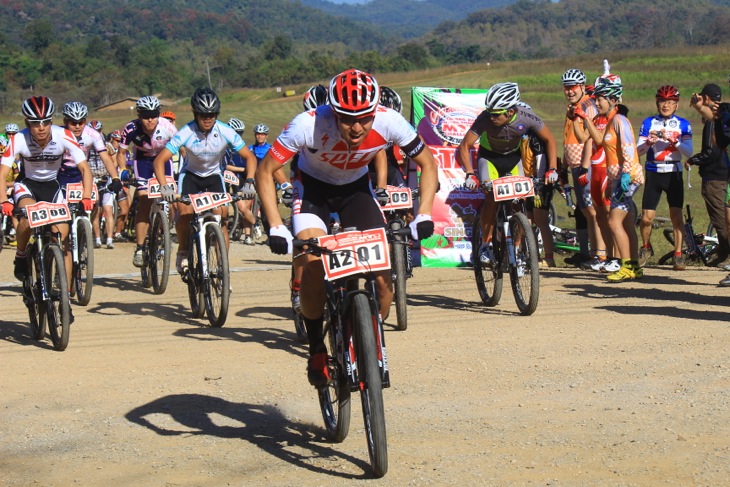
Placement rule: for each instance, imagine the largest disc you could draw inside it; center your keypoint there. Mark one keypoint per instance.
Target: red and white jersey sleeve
(43, 163)
(325, 156)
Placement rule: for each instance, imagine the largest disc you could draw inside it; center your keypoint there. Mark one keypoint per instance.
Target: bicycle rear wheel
(33, 297)
(217, 287)
(371, 387)
(235, 223)
(524, 276)
(334, 398)
(159, 252)
(488, 276)
(83, 271)
(195, 277)
(58, 310)
(398, 249)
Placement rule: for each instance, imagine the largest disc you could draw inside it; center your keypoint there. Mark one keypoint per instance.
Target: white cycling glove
(280, 240)
(421, 227)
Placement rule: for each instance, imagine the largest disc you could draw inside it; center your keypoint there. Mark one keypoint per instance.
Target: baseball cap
(712, 91)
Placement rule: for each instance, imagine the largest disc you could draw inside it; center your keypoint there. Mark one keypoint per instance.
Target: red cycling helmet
(116, 134)
(354, 93)
(668, 92)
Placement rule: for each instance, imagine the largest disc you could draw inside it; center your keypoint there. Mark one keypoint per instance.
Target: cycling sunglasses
(40, 123)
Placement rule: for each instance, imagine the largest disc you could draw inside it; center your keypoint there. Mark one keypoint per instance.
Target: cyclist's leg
(675, 199)
(123, 203)
(649, 203)
(487, 172)
(584, 202)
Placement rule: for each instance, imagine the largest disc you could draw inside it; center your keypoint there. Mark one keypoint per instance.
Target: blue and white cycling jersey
(664, 155)
(205, 151)
(260, 150)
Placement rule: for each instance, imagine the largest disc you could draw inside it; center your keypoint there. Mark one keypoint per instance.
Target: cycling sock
(678, 254)
(20, 254)
(314, 333)
(646, 246)
(295, 285)
(139, 247)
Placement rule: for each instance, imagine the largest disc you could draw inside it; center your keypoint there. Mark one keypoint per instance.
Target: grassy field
(642, 73)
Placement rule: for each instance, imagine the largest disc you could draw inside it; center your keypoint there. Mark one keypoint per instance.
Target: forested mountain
(102, 50)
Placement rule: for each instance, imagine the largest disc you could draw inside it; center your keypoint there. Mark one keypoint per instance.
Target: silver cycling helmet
(12, 128)
(574, 77)
(314, 97)
(390, 99)
(502, 96)
(237, 124)
(204, 100)
(148, 103)
(261, 129)
(75, 110)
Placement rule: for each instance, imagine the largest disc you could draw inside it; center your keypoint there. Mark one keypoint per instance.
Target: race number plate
(153, 187)
(74, 192)
(355, 253)
(43, 213)
(230, 178)
(400, 198)
(207, 201)
(512, 187)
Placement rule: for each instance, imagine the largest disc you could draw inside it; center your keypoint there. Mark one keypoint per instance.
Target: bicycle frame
(198, 225)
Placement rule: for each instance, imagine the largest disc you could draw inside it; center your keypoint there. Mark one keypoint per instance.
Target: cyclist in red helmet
(335, 143)
(664, 138)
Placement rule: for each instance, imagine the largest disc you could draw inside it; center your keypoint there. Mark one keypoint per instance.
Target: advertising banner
(442, 116)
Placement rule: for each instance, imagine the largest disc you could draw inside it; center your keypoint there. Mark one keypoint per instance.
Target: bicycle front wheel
(33, 297)
(58, 308)
(371, 387)
(524, 275)
(159, 252)
(195, 277)
(83, 274)
(334, 398)
(398, 250)
(217, 287)
(488, 276)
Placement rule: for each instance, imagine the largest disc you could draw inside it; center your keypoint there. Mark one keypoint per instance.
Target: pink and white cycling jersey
(89, 138)
(43, 163)
(146, 147)
(325, 156)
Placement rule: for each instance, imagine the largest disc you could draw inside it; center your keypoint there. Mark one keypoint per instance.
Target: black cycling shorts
(49, 191)
(192, 183)
(667, 182)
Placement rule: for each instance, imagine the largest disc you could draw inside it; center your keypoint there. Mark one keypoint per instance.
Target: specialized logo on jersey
(342, 158)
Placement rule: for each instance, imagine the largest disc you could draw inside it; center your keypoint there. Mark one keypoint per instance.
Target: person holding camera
(712, 161)
(664, 138)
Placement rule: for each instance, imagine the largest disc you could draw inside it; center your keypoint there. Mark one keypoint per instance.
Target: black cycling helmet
(391, 99)
(204, 100)
(314, 97)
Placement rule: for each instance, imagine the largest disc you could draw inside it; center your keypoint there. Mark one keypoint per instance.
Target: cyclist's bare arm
(4, 171)
(251, 161)
(87, 179)
(159, 164)
(551, 147)
(429, 179)
(280, 176)
(463, 154)
(266, 189)
(381, 169)
(109, 164)
(121, 159)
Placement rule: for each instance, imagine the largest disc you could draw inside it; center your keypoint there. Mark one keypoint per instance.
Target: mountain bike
(565, 240)
(354, 333)
(81, 239)
(157, 247)
(513, 246)
(396, 212)
(45, 290)
(207, 276)
(696, 247)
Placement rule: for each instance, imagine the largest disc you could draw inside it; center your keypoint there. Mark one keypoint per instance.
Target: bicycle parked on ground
(157, 247)
(396, 212)
(514, 248)
(696, 247)
(207, 276)
(45, 289)
(81, 239)
(353, 332)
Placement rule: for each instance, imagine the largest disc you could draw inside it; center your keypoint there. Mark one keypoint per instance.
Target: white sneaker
(610, 266)
(248, 240)
(97, 244)
(138, 260)
(181, 262)
(486, 256)
(109, 243)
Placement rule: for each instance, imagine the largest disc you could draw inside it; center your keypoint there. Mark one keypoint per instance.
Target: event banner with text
(442, 116)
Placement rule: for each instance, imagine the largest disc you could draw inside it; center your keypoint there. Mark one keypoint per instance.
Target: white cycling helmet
(261, 129)
(574, 77)
(12, 128)
(502, 96)
(237, 124)
(75, 110)
(148, 103)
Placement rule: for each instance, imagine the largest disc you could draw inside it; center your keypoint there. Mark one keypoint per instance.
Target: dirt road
(607, 384)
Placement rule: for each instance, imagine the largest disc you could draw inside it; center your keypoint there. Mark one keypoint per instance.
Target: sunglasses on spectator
(40, 123)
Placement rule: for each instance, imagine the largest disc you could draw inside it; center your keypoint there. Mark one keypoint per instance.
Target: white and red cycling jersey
(89, 138)
(325, 156)
(42, 163)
